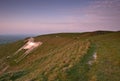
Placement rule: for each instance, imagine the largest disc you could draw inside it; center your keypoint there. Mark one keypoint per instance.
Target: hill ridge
(65, 57)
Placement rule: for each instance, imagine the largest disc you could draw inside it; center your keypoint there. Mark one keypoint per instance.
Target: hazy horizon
(33, 35)
(38, 17)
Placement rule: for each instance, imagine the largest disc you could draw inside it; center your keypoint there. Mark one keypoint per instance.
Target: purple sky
(55, 16)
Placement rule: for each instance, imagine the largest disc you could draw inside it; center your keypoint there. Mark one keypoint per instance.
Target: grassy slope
(108, 65)
(65, 57)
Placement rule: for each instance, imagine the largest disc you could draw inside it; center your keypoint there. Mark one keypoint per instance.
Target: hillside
(90, 56)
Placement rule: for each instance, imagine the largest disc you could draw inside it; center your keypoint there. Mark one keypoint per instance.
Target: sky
(57, 16)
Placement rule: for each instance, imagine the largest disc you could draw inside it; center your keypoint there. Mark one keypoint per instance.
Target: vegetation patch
(12, 75)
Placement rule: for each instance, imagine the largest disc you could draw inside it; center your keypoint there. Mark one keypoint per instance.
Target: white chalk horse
(29, 46)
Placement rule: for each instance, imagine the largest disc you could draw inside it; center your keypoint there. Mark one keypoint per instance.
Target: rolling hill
(90, 56)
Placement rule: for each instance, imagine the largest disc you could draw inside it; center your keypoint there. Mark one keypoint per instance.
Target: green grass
(12, 76)
(65, 57)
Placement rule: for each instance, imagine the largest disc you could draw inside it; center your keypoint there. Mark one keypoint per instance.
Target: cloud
(100, 15)
(23, 26)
